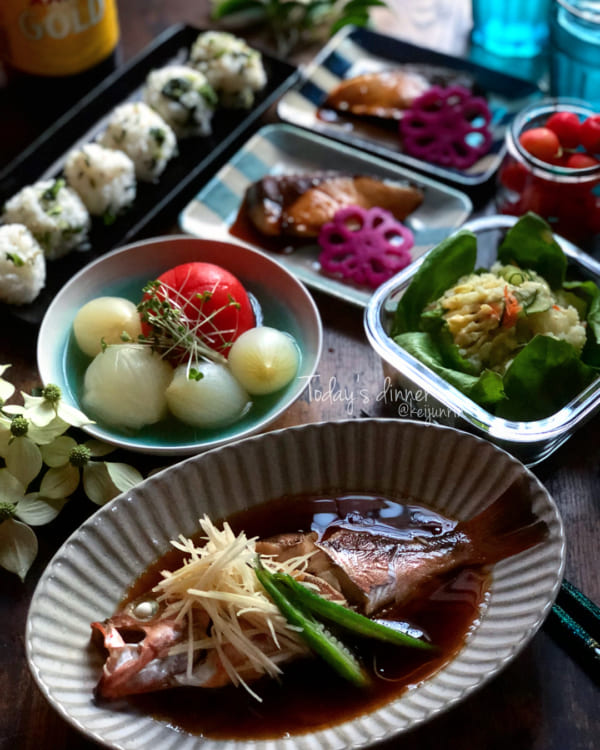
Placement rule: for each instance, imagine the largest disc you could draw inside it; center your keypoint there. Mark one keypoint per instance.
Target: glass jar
(569, 199)
(575, 49)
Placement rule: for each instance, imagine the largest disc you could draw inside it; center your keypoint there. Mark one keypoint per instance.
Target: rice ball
(144, 136)
(104, 179)
(183, 97)
(124, 386)
(22, 265)
(233, 69)
(53, 213)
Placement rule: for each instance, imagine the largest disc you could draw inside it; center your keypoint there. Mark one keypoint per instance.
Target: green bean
(314, 633)
(347, 618)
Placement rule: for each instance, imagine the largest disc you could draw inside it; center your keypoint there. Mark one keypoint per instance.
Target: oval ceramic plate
(453, 472)
(284, 301)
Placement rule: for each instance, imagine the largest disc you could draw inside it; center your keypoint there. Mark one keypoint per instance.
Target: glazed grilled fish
(386, 94)
(357, 561)
(299, 204)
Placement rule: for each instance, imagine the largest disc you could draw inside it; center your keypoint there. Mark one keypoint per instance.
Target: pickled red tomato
(590, 134)
(212, 299)
(567, 127)
(542, 143)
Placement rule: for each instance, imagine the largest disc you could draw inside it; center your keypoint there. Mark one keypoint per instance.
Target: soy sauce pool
(309, 696)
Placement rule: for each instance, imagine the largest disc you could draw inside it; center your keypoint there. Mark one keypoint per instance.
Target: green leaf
(123, 476)
(442, 267)
(60, 482)
(37, 510)
(97, 483)
(531, 244)
(229, 7)
(588, 295)
(352, 19)
(542, 378)
(11, 488)
(57, 452)
(18, 547)
(485, 389)
(23, 459)
(434, 323)
(361, 5)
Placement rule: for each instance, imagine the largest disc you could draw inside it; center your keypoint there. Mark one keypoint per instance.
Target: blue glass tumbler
(511, 28)
(575, 50)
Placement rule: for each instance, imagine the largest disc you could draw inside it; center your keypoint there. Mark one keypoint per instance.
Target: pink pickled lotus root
(439, 127)
(365, 246)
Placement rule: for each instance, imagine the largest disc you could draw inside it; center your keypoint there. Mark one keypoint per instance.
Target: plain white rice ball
(183, 97)
(143, 135)
(53, 213)
(22, 265)
(104, 179)
(233, 69)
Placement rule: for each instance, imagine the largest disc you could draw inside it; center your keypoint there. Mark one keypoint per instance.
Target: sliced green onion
(347, 618)
(314, 633)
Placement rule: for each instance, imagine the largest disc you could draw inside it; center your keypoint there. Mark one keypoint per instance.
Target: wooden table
(542, 701)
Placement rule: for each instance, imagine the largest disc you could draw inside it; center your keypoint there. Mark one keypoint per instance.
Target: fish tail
(506, 527)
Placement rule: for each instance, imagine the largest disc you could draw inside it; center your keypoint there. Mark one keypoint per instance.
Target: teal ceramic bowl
(284, 301)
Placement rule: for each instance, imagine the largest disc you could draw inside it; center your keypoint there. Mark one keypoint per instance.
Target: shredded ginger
(216, 592)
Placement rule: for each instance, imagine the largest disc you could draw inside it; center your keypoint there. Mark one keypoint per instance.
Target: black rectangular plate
(156, 202)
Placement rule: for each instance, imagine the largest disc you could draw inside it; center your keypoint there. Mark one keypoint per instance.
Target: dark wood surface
(543, 700)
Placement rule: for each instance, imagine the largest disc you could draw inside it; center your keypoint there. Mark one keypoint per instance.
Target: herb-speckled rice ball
(232, 67)
(53, 213)
(183, 97)
(143, 135)
(104, 179)
(22, 265)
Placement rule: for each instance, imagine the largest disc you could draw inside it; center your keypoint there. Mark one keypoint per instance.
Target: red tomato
(541, 143)
(213, 300)
(566, 125)
(581, 161)
(513, 175)
(541, 197)
(590, 134)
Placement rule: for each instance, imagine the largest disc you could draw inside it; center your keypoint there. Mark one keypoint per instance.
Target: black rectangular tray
(155, 203)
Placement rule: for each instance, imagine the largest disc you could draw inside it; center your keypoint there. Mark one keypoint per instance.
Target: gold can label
(58, 37)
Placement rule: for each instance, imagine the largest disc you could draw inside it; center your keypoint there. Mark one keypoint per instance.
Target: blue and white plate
(352, 52)
(279, 149)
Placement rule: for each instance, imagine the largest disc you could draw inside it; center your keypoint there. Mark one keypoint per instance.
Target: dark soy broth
(309, 696)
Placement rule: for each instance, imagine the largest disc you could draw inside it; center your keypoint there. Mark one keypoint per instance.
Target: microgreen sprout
(177, 323)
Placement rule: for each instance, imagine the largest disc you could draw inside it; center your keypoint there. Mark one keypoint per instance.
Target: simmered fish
(210, 623)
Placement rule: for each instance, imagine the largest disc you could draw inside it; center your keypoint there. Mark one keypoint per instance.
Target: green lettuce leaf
(435, 324)
(543, 377)
(485, 389)
(531, 244)
(442, 267)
